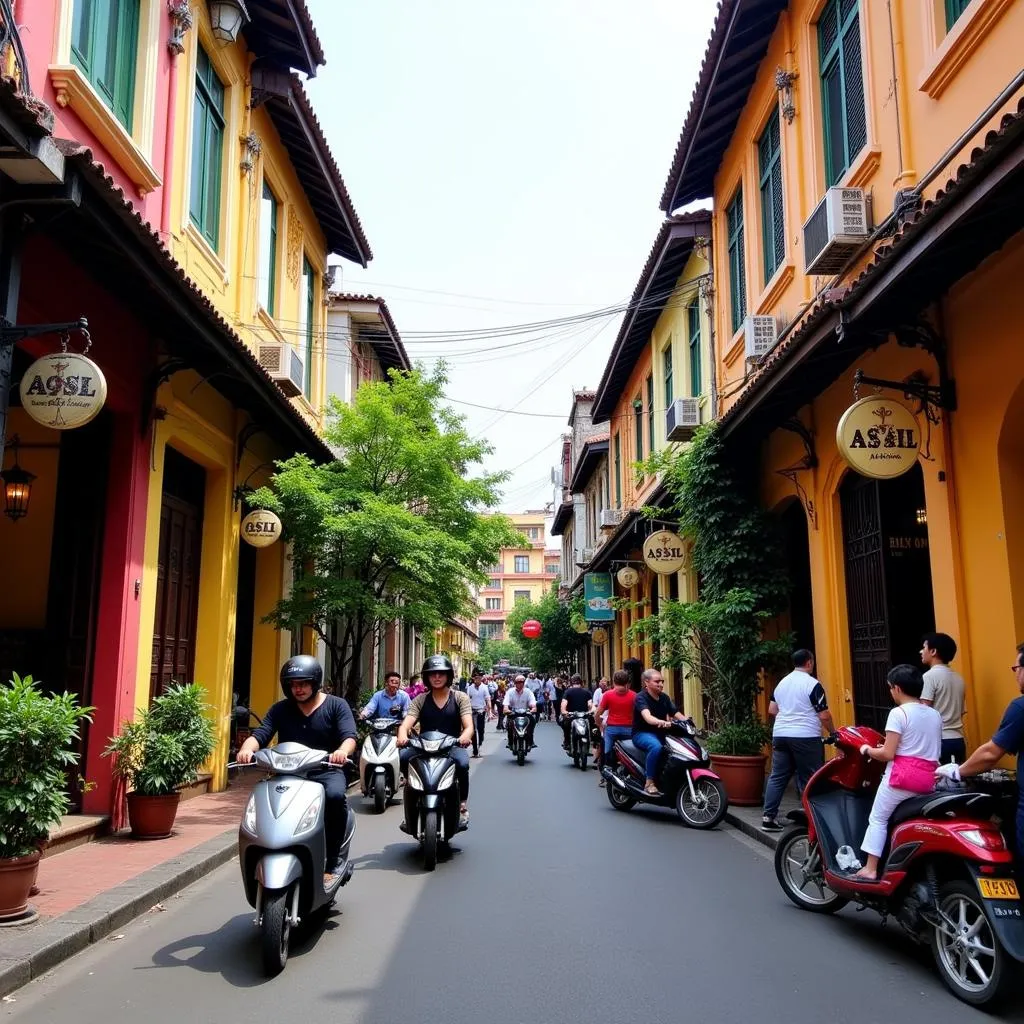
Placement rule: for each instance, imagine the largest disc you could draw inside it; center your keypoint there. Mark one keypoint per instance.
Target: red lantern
(531, 629)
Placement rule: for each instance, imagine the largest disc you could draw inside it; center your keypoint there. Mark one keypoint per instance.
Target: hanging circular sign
(628, 577)
(664, 552)
(261, 528)
(63, 390)
(878, 437)
(599, 636)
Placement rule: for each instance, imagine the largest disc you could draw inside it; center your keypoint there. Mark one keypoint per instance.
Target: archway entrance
(888, 583)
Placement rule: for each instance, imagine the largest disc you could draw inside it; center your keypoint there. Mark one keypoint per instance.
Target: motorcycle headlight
(308, 819)
(249, 818)
(414, 780)
(447, 779)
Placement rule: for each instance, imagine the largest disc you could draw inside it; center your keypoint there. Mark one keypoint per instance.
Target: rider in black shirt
(576, 698)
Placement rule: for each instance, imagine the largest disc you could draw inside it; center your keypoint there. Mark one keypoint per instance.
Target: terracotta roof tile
(385, 314)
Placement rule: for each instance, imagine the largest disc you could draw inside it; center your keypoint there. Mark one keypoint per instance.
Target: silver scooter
(282, 849)
(379, 762)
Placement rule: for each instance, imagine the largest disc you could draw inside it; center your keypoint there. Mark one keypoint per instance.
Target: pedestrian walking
(800, 710)
(480, 703)
(944, 691)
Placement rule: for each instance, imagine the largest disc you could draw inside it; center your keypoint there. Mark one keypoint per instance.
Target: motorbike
(431, 794)
(685, 778)
(282, 850)
(378, 762)
(518, 730)
(580, 727)
(946, 873)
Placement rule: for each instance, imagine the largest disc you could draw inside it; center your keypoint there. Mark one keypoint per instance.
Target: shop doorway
(178, 561)
(797, 554)
(888, 583)
(245, 616)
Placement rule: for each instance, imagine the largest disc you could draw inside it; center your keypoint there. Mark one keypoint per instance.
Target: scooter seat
(943, 805)
(634, 752)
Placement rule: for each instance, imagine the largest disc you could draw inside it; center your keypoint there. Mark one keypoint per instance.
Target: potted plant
(36, 733)
(159, 753)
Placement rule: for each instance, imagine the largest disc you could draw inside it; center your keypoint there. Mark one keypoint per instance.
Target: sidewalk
(92, 890)
(748, 819)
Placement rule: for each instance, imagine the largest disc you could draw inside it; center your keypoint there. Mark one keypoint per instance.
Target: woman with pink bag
(913, 746)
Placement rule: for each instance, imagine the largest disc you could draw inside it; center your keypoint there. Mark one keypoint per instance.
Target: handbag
(916, 774)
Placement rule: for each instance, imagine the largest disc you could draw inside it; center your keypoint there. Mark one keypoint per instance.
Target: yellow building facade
(917, 120)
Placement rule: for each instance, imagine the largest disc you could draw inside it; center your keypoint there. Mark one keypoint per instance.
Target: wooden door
(178, 561)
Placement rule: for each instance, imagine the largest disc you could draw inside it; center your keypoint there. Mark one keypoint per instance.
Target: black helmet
(438, 663)
(304, 666)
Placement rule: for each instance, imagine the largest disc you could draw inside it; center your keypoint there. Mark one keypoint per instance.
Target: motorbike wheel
(275, 930)
(380, 794)
(971, 961)
(800, 872)
(620, 800)
(583, 760)
(430, 842)
(709, 807)
(521, 758)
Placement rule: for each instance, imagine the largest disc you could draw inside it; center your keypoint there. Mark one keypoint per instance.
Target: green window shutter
(842, 86)
(104, 45)
(696, 372)
(954, 8)
(207, 150)
(310, 287)
(773, 229)
(667, 363)
(737, 269)
(650, 413)
(268, 254)
(618, 474)
(638, 428)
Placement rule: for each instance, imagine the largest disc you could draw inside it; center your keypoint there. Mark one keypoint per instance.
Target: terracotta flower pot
(17, 876)
(743, 777)
(152, 817)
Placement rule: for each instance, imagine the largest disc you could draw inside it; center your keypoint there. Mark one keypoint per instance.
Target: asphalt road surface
(555, 909)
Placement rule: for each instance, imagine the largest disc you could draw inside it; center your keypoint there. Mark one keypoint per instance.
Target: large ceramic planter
(743, 778)
(17, 876)
(152, 817)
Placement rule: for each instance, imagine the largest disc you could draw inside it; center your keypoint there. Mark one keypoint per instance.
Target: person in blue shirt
(391, 702)
(1009, 739)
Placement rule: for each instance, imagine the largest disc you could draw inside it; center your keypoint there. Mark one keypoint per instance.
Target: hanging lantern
(17, 487)
(226, 18)
(532, 629)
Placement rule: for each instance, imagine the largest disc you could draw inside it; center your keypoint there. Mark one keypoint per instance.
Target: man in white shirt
(944, 691)
(521, 698)
(480, 702)
(800, 710)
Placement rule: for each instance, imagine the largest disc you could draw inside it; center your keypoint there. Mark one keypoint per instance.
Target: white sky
(506, 158)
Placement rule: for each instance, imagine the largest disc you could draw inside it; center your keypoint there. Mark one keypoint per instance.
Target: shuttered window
(954, 8)
(104, 44)
(737, 270)
(666, 357)
(773, 229)
(696, 373)
(842, 86)
(618, 473)
(268, 250)
(307, 311)
(650, 414)
(207, 149)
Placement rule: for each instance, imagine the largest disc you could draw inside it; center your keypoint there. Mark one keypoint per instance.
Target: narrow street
(688, 926)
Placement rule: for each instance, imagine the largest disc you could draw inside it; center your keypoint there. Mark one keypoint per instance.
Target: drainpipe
(180, 15)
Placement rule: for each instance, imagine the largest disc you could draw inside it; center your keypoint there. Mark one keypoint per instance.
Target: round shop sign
(599, 636)
(664, 552)
(261, 528)
(63, 390)
(628, 577)
(878, 437)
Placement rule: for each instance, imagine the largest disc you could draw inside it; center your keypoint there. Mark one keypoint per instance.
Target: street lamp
(226, 19)
(17, 487)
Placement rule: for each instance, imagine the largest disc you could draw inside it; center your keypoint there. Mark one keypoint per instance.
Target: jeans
(790, 755)
(335, 811)
(651, 746)
(479, 720)
(953, 748)
(611, 734)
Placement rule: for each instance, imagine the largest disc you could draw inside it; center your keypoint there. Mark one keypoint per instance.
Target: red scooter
(946, 874)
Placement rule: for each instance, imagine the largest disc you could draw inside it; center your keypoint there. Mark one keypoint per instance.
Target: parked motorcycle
(282, 850)
(518, 731)
(378, 762)
(685, 778)
(431, 794)
(581, 724)
(946, 874)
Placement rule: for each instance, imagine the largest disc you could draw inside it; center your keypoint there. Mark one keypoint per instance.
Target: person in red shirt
(615, 719)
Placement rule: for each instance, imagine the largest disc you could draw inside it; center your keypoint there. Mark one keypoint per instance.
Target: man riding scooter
(391, 702)
(320, 721)
(652, 713)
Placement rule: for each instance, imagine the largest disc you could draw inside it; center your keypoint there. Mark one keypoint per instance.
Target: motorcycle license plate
(998, 888)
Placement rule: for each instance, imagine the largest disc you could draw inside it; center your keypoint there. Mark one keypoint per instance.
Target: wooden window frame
(95, 24)
(737, 258)
(208, 109)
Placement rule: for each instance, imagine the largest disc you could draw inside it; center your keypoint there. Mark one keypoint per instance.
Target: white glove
(864, 748)
(949, 771)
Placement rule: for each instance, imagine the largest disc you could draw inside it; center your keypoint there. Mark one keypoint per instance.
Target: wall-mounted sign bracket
(13, 333)
(161, 375)
(808, 461)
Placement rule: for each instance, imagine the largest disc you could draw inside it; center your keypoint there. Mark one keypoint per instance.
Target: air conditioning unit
(611, 517)
(580, 557)
(760, 334)
(588, 555)
(283, 364)
(682, 418)
(836, 230)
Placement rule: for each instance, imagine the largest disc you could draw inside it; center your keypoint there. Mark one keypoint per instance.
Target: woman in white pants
(912, 747)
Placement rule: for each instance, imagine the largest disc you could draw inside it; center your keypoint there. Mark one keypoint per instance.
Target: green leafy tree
(492, 651)
(395, 529)
(556, 648)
